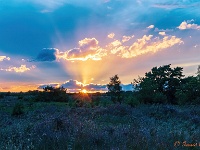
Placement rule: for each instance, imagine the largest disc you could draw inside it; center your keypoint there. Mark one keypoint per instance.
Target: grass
(54, 125)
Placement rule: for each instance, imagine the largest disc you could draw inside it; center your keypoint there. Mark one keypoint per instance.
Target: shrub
(105, 102)
(18, 109)
(20, 97)
(160, 98)
(181, 97)
(132, 101)
(96, 100)
(1, 95)
(72, 103)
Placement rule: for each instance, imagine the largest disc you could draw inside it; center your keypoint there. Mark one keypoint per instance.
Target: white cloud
(163, 30)
(20, 69)
(162, 33)
(88, 49)
(2, 58)
(114, 46)
(111, 35)
(188, 25)
(127, 38)
(146, 44)
(49, 4)
(150, 27)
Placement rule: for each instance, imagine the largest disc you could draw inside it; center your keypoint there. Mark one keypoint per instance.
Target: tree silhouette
(114, 88)
(162, 80)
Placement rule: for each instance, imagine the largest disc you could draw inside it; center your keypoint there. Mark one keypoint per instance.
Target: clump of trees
(167, 85)
(52, 94)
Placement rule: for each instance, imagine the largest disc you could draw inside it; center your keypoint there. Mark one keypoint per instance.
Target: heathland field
(27, 124)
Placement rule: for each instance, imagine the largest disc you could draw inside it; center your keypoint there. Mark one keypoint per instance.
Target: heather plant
(2, 95)
(105, 102)
(53, 125)
(131, 100)
(18, 109)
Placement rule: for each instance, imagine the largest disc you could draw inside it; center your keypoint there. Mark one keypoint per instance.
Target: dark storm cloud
(46, 55)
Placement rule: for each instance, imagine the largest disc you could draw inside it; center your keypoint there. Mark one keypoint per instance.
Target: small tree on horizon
(198, 72)
(114, 88)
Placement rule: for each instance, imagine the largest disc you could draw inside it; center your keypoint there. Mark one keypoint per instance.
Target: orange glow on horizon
(84, 91)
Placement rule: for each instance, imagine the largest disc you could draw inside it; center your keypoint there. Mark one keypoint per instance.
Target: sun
(84, 91)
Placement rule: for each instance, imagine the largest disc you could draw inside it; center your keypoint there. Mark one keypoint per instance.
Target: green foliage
(18, 109)
(131, 100)
(189, 91)
(114, 88)
(72, 103)
(160, 98)
(159, 84)
(105, 102)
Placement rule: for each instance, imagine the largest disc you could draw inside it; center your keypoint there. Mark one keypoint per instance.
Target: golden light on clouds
(2, 58)
(90, 60)
(20, 69)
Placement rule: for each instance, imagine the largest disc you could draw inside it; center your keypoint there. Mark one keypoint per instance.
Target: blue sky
(69, 43)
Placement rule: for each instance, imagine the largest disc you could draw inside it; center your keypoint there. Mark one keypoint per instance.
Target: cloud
(150, 27)
(162, 33)
(114, 46)
(127, 38)
(47, 54)
(76, 86)
(146, 45)
(176, 5)
(169, 6)
(20, 69)
(111, 35)
(48, 4)
(51, 85)
(188, 25)
(95, 87)
(2, 58)
(72, 84)
(88, 50)
(163, 30)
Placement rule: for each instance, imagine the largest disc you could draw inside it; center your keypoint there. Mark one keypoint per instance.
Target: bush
(132, 101)
(160, 98)
(181, 97)
(72, 103)
(20, 97)
(18, 109)
(105, 102)
(1, 95)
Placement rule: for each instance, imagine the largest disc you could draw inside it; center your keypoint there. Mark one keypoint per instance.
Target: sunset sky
(71, 43)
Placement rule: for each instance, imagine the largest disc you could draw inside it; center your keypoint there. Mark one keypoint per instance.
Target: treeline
(163, 85)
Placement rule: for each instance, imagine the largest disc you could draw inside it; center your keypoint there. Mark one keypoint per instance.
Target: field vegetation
(162, 112)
